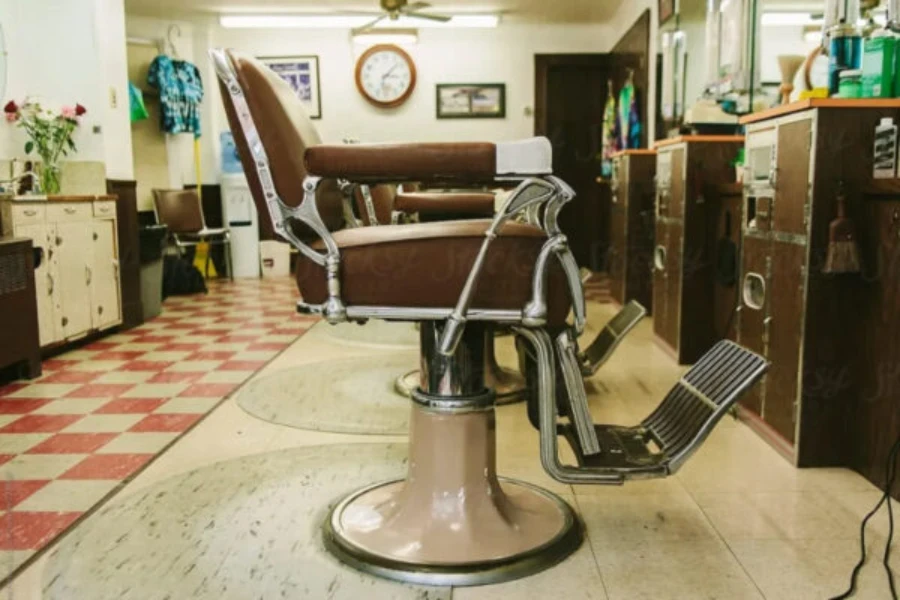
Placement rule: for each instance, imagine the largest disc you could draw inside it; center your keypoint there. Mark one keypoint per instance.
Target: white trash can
(275, 258)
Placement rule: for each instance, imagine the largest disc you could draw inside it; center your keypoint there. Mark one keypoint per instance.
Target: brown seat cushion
(473, 203)
(426, 266)
(467, 161)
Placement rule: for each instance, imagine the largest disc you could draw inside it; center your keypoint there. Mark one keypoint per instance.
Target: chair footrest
(623, 450)
(609, 337)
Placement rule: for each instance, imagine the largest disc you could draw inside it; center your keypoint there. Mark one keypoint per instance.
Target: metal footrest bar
(579, 413)
(610, 336)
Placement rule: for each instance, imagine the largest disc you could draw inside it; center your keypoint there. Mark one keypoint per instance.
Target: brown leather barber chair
(452, 520)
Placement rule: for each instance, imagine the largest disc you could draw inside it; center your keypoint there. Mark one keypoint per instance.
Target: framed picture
(302, 73)
(471, 101)
(666, 10)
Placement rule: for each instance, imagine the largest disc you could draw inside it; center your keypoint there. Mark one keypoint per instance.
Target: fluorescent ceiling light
(401, 38)
(350, 21)
(787, 18)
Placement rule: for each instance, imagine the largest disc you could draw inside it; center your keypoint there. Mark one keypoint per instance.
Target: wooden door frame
(544, 62)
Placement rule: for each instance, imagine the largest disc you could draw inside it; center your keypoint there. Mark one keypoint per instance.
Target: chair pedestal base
(508, 385)
(452, 521)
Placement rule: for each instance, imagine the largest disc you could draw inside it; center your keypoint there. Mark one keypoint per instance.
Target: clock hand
(389, 71)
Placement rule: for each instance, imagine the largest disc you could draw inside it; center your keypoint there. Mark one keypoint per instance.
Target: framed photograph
(666, 10)
(302, 73)
(471, 101)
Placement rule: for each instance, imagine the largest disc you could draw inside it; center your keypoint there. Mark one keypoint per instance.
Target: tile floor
(736, 522)
(101, 412)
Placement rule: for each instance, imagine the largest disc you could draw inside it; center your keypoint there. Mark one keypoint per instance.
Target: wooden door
(754, 298)
(660, 281)
(786, 312)
(570, 95)
(104, 276)
(74, 248)
(675, 270)
(726, 238)
(792, 183)
(44, 279)
(618, 232)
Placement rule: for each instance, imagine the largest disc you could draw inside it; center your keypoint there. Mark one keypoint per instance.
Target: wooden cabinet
(685, 246)
(632, 227)
(77, 284)
(813, 326)
(18, 310)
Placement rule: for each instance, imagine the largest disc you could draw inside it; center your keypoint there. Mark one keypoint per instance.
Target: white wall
(624, 18)
(110, 45)
(180, 147)
(53, 55)
(502, 55)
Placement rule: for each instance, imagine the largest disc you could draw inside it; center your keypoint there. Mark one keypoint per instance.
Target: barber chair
(452, 520)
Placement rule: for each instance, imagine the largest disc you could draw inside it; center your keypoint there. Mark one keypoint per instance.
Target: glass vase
(50, 178)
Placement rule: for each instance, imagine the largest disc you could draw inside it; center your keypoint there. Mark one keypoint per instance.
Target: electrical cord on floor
(890, 476)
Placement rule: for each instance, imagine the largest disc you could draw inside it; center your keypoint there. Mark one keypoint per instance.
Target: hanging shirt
(180, 93)
(628, 121)
(610, 143)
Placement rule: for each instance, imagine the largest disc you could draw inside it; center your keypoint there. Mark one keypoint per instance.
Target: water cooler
(239, 213)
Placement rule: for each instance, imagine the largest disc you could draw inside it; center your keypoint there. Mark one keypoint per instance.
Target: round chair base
(508, 385)
(538, 530)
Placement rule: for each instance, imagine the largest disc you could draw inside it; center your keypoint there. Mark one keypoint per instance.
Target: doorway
(570, 96)
(150, 153)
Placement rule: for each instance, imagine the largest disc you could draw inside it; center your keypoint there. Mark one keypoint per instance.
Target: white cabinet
(77, 283)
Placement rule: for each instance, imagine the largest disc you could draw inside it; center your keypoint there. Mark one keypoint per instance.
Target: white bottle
(885, 156)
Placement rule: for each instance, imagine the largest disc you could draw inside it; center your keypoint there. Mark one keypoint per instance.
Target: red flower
(79, 110)
(11, 107)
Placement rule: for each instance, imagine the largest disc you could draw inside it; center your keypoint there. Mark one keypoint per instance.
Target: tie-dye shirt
(180, 93)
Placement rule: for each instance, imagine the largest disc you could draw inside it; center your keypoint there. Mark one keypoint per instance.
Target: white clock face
(386, 76)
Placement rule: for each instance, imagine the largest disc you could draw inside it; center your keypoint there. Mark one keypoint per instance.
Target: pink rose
(11, 117)
(68, 112)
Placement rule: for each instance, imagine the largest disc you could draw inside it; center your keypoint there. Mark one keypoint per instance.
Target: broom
(843, 248)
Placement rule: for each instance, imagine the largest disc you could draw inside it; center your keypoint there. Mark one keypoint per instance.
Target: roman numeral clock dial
(385, 75)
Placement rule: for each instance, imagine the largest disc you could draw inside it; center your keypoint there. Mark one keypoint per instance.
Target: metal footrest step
(610, 336)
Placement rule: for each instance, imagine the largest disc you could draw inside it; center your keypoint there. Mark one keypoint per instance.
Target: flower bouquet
(49, 135)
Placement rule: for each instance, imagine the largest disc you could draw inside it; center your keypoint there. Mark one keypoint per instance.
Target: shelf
(882, 187)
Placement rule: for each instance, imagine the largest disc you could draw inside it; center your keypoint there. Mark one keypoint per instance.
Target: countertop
(786, 109)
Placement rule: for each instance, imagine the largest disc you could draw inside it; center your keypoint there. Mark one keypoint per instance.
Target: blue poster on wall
(231, 162)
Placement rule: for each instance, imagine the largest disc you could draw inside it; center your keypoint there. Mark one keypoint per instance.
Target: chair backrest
(179, 210)
(285, 131)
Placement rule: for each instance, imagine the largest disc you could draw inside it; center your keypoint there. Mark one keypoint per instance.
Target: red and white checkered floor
(102, 412)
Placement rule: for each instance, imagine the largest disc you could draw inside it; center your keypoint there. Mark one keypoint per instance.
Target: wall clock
(385, 75)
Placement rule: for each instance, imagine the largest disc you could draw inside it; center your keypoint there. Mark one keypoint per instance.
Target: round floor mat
(374, 333)
(238, 529)
(353, 395)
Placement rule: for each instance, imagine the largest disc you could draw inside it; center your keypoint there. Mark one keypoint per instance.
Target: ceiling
(555, 11)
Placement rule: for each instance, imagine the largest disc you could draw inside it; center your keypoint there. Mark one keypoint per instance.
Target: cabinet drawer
(27, 214)
(105, 208)
(69, 211)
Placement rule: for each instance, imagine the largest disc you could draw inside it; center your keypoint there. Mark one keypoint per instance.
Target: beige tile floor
(736, 522)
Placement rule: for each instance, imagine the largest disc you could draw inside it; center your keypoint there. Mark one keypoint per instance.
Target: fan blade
(415, 6)
(370, 24)
(428, 16)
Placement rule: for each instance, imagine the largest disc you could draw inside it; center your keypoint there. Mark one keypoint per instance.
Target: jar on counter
(850, 85)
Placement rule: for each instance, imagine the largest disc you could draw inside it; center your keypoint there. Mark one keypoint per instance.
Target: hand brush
(843, 248)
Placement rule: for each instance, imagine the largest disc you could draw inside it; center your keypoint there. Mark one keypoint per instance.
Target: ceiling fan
(394, 9)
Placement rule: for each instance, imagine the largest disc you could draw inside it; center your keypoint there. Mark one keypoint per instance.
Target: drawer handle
(65, 321)
(69, 210)
(49, 284)
(88, 275)
(104, 209)
(30, 212)
(59, 240)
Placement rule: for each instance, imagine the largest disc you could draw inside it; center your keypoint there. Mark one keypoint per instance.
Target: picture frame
(666, 10)
(470, 100)
(302, 74)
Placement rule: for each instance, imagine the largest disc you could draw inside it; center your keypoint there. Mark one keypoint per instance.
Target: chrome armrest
(531, 193)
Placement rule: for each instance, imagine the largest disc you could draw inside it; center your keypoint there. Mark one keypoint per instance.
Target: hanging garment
(610, 143)
(180, 93)
(628, 121)
(136, 103)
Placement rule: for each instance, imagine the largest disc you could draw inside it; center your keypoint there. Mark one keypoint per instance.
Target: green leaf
(29, 146)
